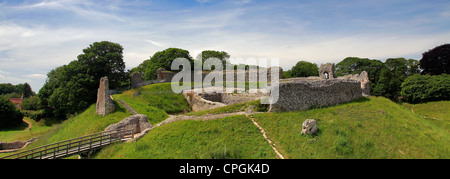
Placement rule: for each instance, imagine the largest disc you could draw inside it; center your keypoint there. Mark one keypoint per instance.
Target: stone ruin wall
(164, 75)
(294, 94)
(205, 101)
(302, 95)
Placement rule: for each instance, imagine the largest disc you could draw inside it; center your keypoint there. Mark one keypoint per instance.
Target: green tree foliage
(73, 87)
(424, 88)
(436, 61)
(355, 65)
(303, 69)
(31, 103)
(10, 116)
(161, 59)
(392, 75)
(105, 59)
(16, 90)
(222, 56)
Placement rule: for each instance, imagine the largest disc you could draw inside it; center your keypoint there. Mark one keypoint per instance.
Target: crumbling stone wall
(205, 101)
(302, 95)
(326, 71)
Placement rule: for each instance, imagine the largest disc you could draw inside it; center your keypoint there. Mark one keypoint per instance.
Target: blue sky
(39, 35)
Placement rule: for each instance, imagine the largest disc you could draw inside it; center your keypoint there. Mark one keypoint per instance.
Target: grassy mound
(155, 101)
(233, 137)
(367, 128)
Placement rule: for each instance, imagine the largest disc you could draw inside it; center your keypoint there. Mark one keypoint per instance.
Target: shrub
(424, 88)
(37, 115)
(10, 116)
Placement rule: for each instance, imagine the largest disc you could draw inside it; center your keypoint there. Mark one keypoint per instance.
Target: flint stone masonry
(302, 95)
(136, 79)
(16, 145)
(328, 69)
(204, 101)
(309, 127)
(105, 104)
(138, 123)
(363, 78)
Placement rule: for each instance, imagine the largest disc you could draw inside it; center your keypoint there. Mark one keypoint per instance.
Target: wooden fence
(73, 146)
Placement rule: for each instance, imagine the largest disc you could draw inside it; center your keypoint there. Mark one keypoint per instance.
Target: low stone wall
(198, 103)
(204, 101)
(302, 95)
(14, 146)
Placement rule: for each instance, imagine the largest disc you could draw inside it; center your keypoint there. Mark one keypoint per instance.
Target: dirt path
(265, 137)
(174, 118)
(29, 124)
(412, 110)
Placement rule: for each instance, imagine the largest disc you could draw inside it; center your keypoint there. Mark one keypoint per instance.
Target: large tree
(221, 55)
(73, 87)
(436, 61)
(161, 59)
(392, 75)
(304, 69)
(104, 59)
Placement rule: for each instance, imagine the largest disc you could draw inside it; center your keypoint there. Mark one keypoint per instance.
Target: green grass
(21, 133)
(232, 137)
(372, 127)
(155, 101)
(231, 109)
(87, 122)
(436, 112)
(367, 128)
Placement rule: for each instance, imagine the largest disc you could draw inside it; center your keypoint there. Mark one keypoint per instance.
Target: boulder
(309, 127)
(138, 123)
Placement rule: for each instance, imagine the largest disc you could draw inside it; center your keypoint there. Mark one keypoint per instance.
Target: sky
(37, 36)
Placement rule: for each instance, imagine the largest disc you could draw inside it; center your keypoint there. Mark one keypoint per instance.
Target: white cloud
(156, 43)
(36, 76)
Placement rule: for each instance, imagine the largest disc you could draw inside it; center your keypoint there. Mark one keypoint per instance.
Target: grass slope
(231, 137)
(87, 122)
(367, 128)
(436, 112)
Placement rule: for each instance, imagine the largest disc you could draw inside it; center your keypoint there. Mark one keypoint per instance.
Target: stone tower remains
(326, 71)
(105, 104)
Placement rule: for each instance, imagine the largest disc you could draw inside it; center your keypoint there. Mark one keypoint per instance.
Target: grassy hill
(229, 138)
(372, 127)
(367, 128)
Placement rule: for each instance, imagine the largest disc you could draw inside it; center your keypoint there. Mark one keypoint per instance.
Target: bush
(424, 88)
(10, 116)
(31, 103)
(36, 115)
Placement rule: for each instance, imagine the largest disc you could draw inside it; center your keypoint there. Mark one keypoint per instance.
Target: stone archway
(326, 71)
